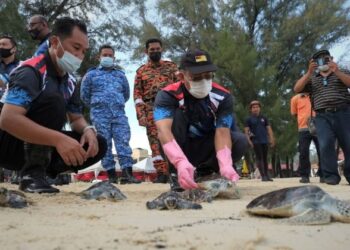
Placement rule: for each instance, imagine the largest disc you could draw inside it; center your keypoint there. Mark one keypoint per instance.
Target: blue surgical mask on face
(68, 62)
(107, 62)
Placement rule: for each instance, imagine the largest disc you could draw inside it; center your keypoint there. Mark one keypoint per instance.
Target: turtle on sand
(13, 199)
(103, 190)
(218, 186)
(196, 195)
(171, 200)
(308, 205)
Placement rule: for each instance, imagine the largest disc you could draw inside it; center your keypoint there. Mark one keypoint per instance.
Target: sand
(65, 221)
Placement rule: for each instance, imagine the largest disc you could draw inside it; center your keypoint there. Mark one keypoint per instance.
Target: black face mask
(34, 33)
(5, 53)
(155, 56)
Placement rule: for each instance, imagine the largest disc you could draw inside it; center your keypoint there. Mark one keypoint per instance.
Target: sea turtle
(308, 205)
(196, 195)
(171, 200)
(218, 186)
(11, 198)
(103, 190)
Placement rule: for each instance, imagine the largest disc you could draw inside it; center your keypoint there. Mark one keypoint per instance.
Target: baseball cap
(320, 53)
(255, 102)
(197, 61)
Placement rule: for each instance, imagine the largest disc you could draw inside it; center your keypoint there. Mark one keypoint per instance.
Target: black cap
(197, 61)
(320, 53)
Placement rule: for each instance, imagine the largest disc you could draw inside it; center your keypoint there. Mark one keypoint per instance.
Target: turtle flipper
(310, 217)
(185, 204)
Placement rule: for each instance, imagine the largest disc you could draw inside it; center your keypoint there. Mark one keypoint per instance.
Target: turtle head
(343, 209)
(170, 202)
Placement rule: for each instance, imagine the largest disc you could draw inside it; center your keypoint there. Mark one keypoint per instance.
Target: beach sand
(65, 221)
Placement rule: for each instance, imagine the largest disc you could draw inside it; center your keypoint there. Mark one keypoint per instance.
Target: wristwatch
(90, 127)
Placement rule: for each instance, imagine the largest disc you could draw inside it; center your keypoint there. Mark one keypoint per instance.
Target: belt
(333, 110)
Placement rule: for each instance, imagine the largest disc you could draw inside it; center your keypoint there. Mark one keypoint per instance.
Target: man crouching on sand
(41, 95)
(195, 122)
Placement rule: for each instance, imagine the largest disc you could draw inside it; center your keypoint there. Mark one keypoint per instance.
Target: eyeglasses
(30, 25)
(205, 75)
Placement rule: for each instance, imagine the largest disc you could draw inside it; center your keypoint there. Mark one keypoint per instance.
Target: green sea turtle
(172, 200)
(13, 199)
(219, 187)
(103, 190)
(308, 205)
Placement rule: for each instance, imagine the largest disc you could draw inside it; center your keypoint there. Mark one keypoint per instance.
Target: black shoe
(31, 184)
(128, 178)
(161, 178)
(331, 181)
(304, 179)
(322, 180)
(269, 179)
(264, 178)
(112, 176)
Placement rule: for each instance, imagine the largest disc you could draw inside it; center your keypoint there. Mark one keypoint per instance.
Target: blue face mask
(107, 62)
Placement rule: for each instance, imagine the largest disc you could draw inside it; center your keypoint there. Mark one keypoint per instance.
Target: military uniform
(150, 78)
(105, 92)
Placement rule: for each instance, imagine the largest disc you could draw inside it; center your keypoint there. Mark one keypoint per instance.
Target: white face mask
(68, 62)
(323, 68)
(200, 89)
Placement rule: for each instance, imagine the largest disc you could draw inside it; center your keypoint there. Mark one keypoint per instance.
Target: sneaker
(304, 179)
(35, 184)
(161, 178)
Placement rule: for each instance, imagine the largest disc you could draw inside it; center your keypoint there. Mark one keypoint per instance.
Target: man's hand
(185, 172)
(89, 137)
(333, 66)
(272, 142)
(312, 67)
(71, 151)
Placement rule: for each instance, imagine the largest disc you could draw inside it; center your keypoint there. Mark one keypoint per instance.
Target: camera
(322, 61)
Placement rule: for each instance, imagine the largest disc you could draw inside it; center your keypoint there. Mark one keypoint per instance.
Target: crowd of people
(189, 118)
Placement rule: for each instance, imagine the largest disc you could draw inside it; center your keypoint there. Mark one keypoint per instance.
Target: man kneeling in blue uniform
(194, 118)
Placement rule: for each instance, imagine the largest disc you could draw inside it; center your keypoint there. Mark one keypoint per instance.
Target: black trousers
(305, 139)
(49, 111)
(201, 151)
(260, 151)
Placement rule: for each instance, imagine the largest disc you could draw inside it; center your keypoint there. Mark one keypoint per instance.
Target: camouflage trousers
(158, 161)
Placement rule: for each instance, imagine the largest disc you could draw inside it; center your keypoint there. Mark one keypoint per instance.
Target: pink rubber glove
(225, 163)
(185, 170)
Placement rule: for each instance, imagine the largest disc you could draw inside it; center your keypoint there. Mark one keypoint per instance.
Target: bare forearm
(222, 139)
(29, 131)
(300, 84)
(345, 78)
(78, 123)
(164, 131)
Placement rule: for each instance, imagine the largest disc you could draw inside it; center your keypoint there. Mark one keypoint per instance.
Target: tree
(261, 47)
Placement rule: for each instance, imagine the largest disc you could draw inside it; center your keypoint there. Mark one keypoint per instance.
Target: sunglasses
(324, 81)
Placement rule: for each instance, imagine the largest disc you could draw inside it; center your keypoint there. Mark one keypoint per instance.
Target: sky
(339, 51)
